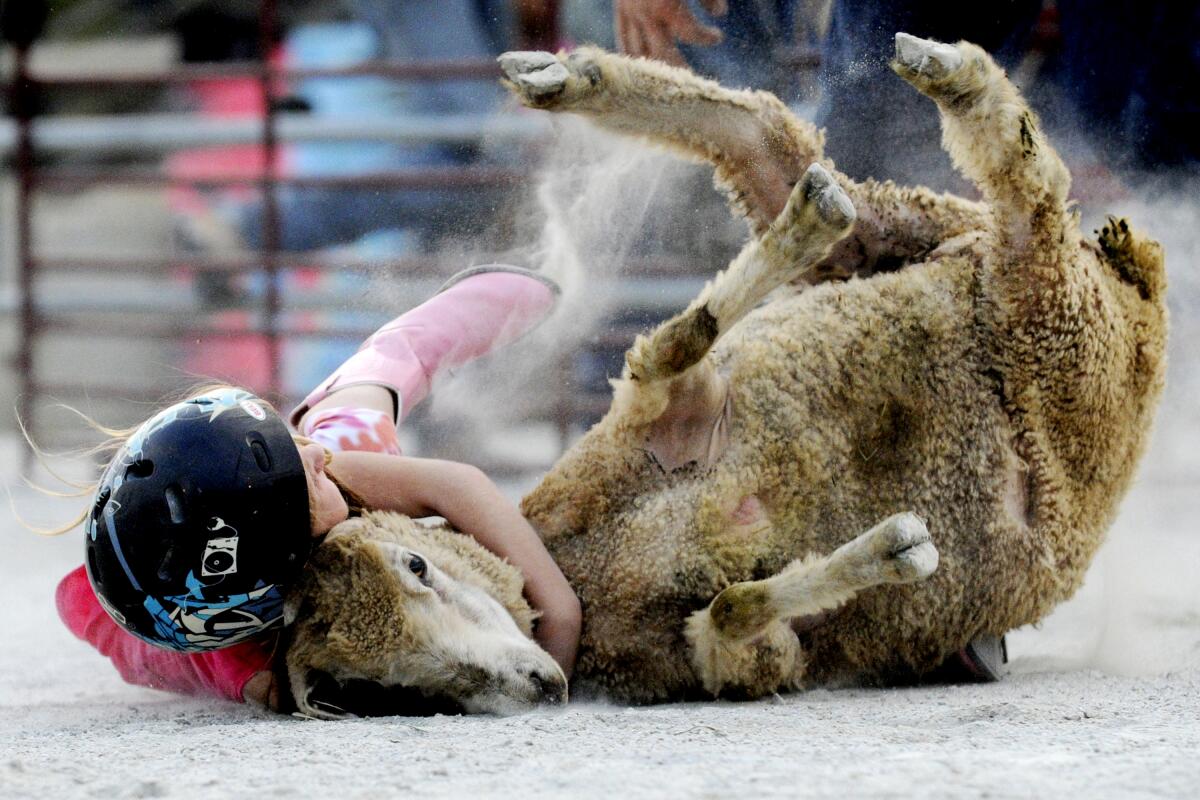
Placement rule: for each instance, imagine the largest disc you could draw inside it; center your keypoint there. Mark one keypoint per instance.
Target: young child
(209, 510)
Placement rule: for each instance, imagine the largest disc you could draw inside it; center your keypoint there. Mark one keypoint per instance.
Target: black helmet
(199, 524)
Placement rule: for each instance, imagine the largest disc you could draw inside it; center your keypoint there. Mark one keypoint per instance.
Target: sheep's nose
(551, 688)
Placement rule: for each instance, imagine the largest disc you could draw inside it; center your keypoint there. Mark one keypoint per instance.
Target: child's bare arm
(470, 502)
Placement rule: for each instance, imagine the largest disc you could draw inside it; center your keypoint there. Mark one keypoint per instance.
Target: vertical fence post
(23, 106)
(268, 26)
(23, 102)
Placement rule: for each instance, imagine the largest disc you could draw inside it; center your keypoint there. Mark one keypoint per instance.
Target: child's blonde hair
(116, 439)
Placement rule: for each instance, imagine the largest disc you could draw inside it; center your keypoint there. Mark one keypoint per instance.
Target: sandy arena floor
(1103, 700)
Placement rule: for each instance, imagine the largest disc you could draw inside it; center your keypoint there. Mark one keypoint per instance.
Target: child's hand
(560, 624)
(262, 690)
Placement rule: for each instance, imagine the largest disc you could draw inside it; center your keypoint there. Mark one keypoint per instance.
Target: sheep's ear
(291, 608)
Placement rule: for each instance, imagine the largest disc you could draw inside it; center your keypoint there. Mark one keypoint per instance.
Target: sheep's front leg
(758, 147)
(743, 643)
(817, 215)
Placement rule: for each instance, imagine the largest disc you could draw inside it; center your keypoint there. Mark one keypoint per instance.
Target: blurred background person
(1124, 70)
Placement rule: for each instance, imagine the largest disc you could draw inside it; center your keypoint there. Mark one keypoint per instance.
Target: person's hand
(262, 690)
(559, 627)
(651, 28)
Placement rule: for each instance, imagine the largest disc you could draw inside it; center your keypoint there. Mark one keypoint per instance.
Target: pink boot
(476, 311)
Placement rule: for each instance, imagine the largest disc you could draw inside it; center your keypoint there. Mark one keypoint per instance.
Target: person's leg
(369, 396)
(475, 312)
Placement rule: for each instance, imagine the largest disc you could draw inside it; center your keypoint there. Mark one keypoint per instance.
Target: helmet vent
(165, 572)
(142, 468)
(262, 456)
(174, 498)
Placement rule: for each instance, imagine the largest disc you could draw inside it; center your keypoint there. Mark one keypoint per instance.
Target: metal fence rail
(106, 134)
(29, 139)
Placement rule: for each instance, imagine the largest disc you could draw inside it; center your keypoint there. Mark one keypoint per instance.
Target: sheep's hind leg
(742, 643)
(995, 139)
(758, 147)
(817, 215)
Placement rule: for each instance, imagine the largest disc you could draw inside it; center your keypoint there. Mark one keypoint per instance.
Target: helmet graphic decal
(254, 409)
(217, 403)
(220, 552)
(191, 622)
(111, 509)
(112, 610)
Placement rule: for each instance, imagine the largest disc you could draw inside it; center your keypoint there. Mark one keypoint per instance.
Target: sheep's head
(419, 612)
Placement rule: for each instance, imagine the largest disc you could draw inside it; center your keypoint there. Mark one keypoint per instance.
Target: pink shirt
(222, 673)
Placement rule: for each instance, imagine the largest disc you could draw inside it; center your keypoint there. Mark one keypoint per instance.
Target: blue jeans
(877, 125)
(1131, 71)
(748, 55)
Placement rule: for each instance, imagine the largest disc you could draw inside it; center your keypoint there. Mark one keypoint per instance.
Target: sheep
(977, 376)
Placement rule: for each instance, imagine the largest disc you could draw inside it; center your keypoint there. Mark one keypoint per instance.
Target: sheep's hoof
(831, 202)
(818, 207)
(537, 77)
(906, 548)
(1115, 239)
(742, 610)
(897, 550)
(922, 58)
(771, 662)
(544, 80)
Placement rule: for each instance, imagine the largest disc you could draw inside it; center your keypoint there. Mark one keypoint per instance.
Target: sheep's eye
(416, 565)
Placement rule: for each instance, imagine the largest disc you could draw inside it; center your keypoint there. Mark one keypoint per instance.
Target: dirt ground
(1102, 700)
